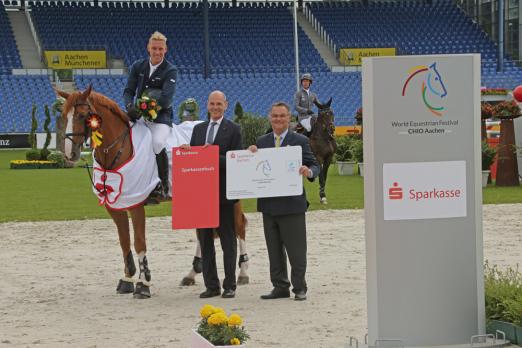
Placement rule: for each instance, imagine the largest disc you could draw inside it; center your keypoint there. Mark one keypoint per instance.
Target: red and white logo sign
(424, 190)
(395, 192)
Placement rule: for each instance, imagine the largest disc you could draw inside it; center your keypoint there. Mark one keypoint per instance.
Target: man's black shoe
(276, 293)
(228, 293)
(300, 296)
(210, 293)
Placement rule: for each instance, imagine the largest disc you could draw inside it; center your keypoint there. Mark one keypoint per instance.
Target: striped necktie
(278, 141)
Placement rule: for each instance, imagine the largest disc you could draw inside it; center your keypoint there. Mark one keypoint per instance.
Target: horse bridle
(86, 130)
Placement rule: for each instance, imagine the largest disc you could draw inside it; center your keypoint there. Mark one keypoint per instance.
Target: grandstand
(251, 48)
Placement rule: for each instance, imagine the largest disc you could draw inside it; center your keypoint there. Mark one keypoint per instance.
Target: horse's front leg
(243, 277)
(197, 267)
(322, 179)
(126, 284)
(142, 290)
(322, 183)
(240, 223)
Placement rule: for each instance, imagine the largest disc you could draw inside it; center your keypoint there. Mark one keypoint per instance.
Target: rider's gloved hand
(133, 113)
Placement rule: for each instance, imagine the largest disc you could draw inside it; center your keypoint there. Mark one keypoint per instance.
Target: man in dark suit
(284, 217)
(227, 135)
(156, 77)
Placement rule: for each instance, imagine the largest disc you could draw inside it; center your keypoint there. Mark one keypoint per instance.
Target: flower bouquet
(148, 107)
(218, 329)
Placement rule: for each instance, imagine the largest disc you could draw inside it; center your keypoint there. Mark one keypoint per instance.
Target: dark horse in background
(322, 142)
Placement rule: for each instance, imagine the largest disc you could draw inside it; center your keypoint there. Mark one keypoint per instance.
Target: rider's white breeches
(160, 133)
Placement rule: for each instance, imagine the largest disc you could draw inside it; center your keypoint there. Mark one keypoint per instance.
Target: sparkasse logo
(396, 192)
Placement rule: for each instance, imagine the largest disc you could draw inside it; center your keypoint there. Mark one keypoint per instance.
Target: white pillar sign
(423, 199)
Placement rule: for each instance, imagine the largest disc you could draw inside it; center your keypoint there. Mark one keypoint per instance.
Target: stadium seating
(255, 92)
(9, 57)
(414, 28)
(243, 39)
(251, 46)
(17, 96)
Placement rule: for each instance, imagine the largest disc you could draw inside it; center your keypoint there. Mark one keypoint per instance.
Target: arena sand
(60, 279)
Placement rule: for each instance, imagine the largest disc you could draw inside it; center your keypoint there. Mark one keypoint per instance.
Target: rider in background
(304, 101)
(156, 78)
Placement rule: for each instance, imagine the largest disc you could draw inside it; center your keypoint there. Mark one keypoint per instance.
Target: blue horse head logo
(432, 86)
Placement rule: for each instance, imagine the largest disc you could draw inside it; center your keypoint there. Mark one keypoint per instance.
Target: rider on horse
(304, 100)
(154, 77)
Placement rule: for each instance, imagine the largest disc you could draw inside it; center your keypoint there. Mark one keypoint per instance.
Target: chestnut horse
(76, 110)
(115, 150)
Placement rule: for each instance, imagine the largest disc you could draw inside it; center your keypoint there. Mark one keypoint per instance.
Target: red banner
(195, 187)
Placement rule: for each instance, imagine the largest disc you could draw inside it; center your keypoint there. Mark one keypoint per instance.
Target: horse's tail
(240, 221)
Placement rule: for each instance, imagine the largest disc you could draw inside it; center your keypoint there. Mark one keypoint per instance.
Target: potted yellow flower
(216, 329)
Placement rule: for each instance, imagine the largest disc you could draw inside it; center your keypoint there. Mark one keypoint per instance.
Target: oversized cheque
(270, 172)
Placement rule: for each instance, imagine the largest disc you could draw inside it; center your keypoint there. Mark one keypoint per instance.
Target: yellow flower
(234, 320)
(235, 341)
(153, 114)
(218, 310)
(218, 319)
(206, 311)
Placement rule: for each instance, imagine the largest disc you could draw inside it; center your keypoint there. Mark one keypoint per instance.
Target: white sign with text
(271, 172)
(424, 190)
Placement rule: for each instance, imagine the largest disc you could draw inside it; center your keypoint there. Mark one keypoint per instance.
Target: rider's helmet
(306, 76)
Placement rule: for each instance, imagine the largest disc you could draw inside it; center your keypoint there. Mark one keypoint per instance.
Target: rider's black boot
(162, 160)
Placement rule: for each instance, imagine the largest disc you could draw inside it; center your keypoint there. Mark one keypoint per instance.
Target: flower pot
(495, 97)
(361, 169)
(518, 332)
(198, 341)
(508, 328)
(485, 176)
(345, 168)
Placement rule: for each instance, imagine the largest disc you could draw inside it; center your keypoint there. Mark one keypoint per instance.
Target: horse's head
(325, 115)
(435, 83)
(76, 111)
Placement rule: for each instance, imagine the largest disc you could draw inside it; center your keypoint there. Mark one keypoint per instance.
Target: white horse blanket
(130, 184)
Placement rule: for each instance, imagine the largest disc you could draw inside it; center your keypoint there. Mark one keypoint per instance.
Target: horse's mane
(97, 100)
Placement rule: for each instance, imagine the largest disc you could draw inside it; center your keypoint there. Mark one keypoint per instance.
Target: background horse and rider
(322, 142)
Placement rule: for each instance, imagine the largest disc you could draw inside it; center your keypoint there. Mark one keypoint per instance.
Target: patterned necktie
(210, 137)
(278, 141)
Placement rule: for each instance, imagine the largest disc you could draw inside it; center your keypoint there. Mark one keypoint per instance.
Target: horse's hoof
(142, 291)
(324, 201)
(197, 263)
(125, 287)
(186, 281)
(243, 280)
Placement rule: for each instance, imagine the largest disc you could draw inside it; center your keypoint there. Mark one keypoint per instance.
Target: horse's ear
(328, 103)
(319, 105)
(87, 92)
(61, 93)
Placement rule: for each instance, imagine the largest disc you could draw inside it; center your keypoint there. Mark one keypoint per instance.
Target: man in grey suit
(304, 101)
(284, 217)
